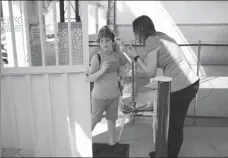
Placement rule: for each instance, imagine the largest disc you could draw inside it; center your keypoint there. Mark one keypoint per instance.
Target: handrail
(94, 44)
(204, 44)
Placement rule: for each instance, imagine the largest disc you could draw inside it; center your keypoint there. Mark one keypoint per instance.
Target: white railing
(42, 35)
(55, 32)
(13, 33)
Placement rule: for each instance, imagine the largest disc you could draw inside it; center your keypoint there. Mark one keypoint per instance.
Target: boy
(104, 73)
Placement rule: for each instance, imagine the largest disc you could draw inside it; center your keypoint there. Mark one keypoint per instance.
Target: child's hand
(104, 66)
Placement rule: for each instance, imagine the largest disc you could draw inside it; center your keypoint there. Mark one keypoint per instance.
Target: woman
(161, 51)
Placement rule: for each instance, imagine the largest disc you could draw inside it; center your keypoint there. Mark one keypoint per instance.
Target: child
(104, 73)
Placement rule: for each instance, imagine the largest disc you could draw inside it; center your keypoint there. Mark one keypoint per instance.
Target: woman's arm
(141, 74)
(122, 58)
(149, 68)
(95, 72)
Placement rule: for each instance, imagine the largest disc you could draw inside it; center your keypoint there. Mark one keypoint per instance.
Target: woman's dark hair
(105, 31)
(144, 27)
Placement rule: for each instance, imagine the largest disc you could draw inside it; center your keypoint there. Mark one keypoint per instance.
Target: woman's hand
(122, 46)
(131, 51)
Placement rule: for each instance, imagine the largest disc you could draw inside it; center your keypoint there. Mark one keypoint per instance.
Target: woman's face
(106, 44)
(138, 38)
(138, 35)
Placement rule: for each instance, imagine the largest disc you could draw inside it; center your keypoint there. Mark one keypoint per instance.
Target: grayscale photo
(114, 78)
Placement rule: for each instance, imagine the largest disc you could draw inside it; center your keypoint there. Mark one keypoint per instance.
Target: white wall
(197, 11)
(186, 21)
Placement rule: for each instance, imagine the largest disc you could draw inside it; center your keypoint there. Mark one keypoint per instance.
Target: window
(97, 18)
(92, 19)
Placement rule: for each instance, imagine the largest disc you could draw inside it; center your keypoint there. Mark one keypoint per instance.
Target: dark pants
(179, 104)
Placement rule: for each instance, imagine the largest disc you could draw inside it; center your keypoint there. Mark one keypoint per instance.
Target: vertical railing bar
(1, 41)
(198, 61)
(61, 10)
(133, 80)
(56, 36)
(69, 31)
(96, 17)
(197, 73)
(108, 12)
(23, 36)
(114, 16)
(13, 34)
(85, 36)
(25, 10)
(42, 36)
(85, 39)
(33, 122)
(1, 80)
(49, 105)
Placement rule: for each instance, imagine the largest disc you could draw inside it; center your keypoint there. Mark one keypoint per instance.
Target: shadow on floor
(139, 137)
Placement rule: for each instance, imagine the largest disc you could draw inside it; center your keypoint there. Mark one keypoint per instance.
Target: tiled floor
(198, 141)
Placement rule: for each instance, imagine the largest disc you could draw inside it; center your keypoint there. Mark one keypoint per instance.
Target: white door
(45, 111)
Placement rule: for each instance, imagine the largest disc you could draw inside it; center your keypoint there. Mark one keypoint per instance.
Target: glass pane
(102, 16)
(92, 19)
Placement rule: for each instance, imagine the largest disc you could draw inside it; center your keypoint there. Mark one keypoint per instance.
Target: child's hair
(105, 31)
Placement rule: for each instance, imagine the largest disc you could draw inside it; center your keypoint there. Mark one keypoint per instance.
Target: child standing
(104, 73)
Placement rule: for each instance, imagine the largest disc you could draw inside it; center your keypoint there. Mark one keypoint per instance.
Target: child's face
(106, 44)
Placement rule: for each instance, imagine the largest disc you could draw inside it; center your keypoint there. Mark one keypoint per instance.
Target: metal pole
(1, 17)
(96, 19)
(163, 108)
(69, 33)
(56, 34)
(1, 21)
(109, 12)
(26, 24)
(197, 73)
(42, 33)
(198, 61)
(61, 9)
(133, 81)
(14, 44)
(77, 16)
(114, 16)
